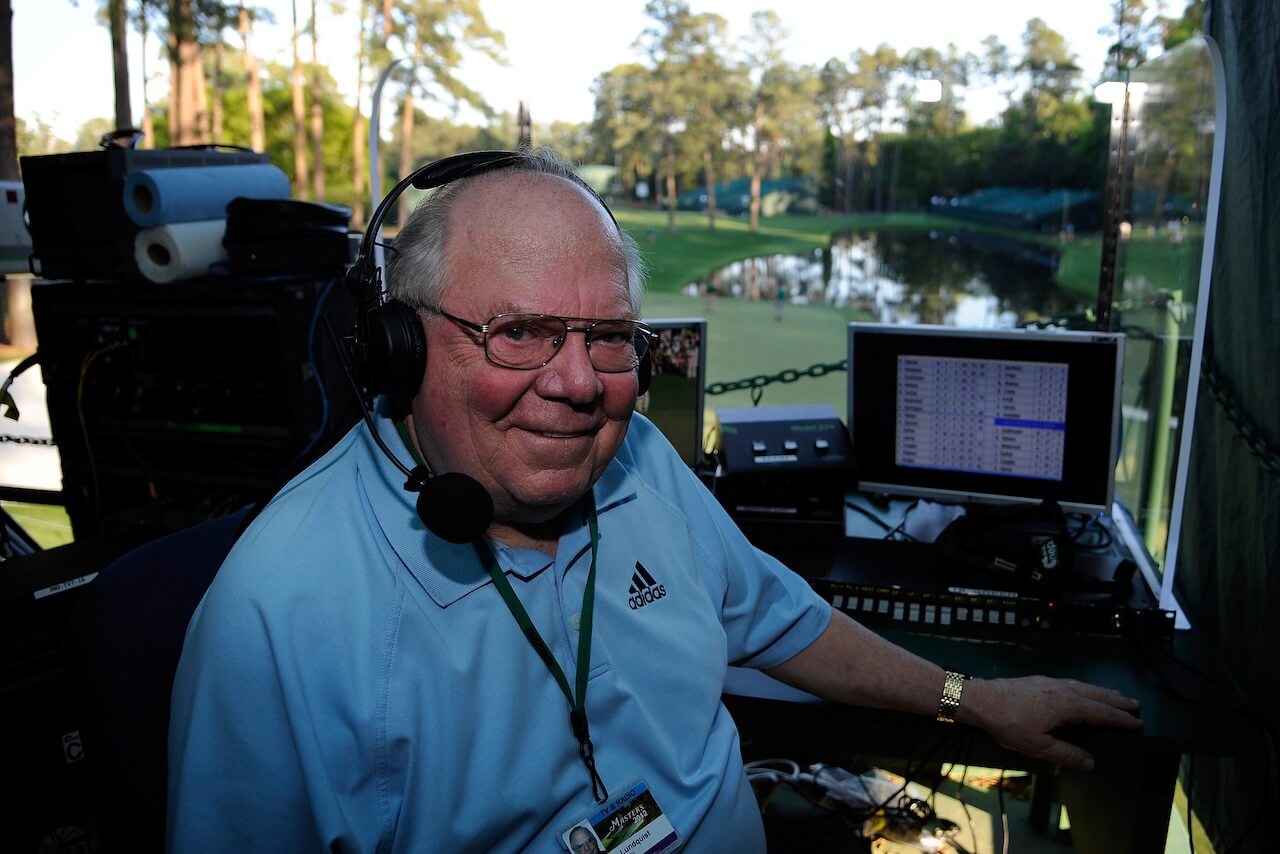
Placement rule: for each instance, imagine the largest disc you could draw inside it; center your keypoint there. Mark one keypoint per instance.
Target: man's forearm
(849, 663)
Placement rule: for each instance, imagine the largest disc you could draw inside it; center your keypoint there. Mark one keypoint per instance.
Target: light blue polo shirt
(353, 683)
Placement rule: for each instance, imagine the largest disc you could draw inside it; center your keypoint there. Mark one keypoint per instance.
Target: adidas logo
(644, 589)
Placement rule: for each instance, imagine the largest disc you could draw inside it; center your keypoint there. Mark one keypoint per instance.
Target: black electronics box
(785, 468)
(75, 206)
(175, 403)
(912, 586)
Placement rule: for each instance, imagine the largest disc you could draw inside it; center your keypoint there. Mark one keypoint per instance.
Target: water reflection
(963, 279)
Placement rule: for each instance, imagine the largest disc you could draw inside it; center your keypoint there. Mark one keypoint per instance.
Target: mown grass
(744, 338)
(46, 524)
(694, 251)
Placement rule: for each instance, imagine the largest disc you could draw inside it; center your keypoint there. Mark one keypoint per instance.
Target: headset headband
(387, 347)
(436, 174)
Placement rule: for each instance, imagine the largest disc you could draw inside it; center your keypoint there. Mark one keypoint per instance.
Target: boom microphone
(453, 506)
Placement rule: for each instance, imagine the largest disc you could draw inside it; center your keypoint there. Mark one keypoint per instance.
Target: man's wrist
(952, 694)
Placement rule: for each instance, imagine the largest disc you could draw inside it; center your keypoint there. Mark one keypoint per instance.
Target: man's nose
(570, 372)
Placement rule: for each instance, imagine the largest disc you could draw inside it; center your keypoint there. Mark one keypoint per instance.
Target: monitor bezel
(700, 323)
(881, 479)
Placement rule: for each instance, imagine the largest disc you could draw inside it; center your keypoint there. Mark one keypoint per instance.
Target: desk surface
(1187, 704)
(1123, 806)
(1182, 712)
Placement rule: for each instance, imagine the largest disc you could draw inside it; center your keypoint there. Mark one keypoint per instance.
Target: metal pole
(375, 165)
(1157, 511)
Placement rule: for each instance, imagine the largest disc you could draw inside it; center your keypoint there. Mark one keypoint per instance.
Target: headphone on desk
(1027, 544)
(388, 348)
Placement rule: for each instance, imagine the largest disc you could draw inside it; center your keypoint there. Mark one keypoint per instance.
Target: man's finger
(1100, 713)
(1104, 695)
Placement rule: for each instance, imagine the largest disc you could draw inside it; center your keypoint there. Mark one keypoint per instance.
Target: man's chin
(546, 499)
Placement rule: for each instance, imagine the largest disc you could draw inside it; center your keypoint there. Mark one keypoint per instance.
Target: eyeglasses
(526, 342)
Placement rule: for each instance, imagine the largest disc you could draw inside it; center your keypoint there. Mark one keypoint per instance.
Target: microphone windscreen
(455, 507)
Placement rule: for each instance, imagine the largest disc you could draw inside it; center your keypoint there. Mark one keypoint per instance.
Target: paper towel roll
(189, 194)
(183, 250)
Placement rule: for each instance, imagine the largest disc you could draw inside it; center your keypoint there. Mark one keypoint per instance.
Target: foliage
(1175, 31)
(706, 110)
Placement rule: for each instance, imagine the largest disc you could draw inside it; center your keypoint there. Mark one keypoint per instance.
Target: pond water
(964, 279)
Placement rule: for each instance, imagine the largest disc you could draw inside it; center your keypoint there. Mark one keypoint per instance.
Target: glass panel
(1171, 103)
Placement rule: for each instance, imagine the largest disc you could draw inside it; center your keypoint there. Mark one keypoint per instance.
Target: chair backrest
(123, 643)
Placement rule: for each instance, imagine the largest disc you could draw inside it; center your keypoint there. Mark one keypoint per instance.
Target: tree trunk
(188, 106)
(120, 63)
(317, 113)
(301, 174)
(709, 176)
(757, 166)
(893, 176)
(253, 86)
(671, 186)
(8, 125)
(148, 132)
(196, 97)
(406, 139)
(218, 56)
(358, 131)
(876, 205)
(19, 327)
(175, 84)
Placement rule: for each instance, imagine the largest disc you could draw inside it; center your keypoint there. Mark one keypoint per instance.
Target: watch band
(949, 703)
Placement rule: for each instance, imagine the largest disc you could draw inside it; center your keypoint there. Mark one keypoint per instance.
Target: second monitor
(985, 415)
(676, 396)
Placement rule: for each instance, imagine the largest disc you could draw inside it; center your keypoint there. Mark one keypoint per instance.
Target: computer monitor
(676, 396)
(965, 415)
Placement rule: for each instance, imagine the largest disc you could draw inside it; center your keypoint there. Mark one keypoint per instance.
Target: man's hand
(1022, 713)
(850, 664)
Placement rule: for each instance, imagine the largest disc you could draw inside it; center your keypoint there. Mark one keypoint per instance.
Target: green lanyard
(578, 709)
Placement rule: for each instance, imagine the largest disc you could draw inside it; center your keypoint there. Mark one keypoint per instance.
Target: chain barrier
(756, 385)
(1245, 428)
(7, 439)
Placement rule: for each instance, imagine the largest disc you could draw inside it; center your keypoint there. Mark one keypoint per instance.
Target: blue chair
(123, 642)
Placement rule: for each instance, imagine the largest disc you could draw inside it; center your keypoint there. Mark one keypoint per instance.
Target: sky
(555, 48)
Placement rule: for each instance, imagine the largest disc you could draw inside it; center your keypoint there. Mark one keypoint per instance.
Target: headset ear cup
(397, 351)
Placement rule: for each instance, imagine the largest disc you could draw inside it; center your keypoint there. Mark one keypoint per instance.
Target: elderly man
(353, 682)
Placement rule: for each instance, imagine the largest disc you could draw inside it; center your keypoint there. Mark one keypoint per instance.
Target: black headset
(388, 350)
(1026, 543)
(388, 347)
